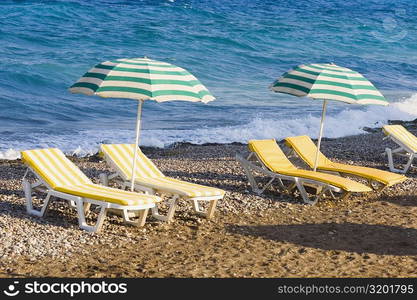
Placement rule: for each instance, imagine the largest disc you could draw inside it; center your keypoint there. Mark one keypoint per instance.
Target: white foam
(9, 154)
(349, 121)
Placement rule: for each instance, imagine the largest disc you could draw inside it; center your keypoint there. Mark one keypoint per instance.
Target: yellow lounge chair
(304, 147)
(59, 177)
(150, 179)
(407, 143)
(267, 157)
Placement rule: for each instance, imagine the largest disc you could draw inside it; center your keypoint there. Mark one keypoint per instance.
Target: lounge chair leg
(196, 207)
(304, 194)
(408, 165)
(210, 210)
(390, 160)
(86, 207)
(254, 185)
(172, 207)
(155, 212)
(251, 178)
(142, 214)
(142, 217)
(281, 184)
(27, 187)
(104, 179)
(171, 211)
(291, 187)
(375, 185)
(390, 156)
(82, 223)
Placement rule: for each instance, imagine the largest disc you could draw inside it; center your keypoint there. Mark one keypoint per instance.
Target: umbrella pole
(138, 119)
(323, 115)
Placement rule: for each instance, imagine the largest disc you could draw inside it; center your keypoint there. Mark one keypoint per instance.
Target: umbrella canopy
(328, 82)
(141, 79)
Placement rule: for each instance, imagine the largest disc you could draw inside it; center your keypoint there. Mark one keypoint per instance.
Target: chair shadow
(351, 237)
(19, 193)
(64, 219)
(403, 200)
(52, 217)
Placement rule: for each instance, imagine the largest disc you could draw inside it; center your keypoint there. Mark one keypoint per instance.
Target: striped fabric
(147, 174)
(328, 82)
(275, 160)
(141, 79)
(306, 150)
(64, 176)
(401, 134)
(122, 156)
(54, 167)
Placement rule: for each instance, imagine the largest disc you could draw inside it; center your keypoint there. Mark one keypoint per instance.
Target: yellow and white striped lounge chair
(59, 177)
(150, 179)
(266, 157)
(305, 148)
(407, 143)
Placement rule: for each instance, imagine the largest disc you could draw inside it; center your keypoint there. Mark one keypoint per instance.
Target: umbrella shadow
(351, 237)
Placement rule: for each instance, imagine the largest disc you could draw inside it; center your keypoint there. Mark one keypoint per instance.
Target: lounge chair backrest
(307, 150)
(271, 154)
(54, 167)
(401, 134)
(122, 156)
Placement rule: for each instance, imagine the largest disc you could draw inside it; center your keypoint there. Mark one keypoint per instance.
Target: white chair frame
(375, 185)
(172, 200)
(81, 204)
(403, 151)
(253, 163)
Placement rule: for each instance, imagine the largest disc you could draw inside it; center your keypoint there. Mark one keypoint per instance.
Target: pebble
(214, 165)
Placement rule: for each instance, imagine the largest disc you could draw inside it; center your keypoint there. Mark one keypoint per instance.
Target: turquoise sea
(236, 48)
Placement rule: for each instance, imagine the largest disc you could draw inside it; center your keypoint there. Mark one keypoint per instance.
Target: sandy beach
(272, 235)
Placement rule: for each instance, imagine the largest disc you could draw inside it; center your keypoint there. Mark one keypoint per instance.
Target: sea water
(236, 48)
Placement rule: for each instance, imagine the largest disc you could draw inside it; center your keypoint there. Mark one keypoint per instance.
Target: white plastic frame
(174, 198)
(403, 151)
(81, 204)
(252, 162)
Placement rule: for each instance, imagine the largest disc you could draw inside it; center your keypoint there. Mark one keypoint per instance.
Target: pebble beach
(268, 235)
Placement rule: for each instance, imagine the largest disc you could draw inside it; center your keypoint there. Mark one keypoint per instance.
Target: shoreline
(268, 235)
(180, 145)
(410, 125)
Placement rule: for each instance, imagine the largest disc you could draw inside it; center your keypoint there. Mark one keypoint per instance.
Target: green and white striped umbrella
(328, 82)
(141, 79)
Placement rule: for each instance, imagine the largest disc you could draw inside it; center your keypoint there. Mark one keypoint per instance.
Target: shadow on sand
(403, 200)
(351, 237)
